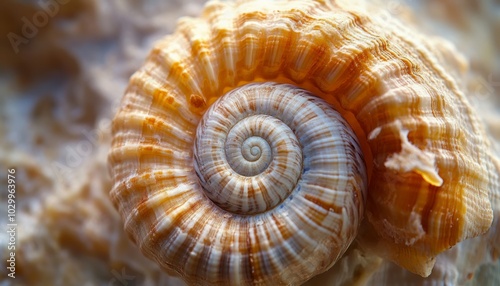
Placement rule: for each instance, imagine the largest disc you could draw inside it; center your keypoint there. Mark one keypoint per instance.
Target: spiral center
(248, 149)
(250, 144)
(247, 158)
(252, 148)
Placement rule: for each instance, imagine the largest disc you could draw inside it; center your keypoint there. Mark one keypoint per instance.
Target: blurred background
(64, 66)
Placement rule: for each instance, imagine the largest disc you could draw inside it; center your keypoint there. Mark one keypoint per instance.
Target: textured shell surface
(259, 137)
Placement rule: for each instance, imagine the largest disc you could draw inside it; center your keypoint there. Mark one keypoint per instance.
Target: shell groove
(284, 223)
(286, 122)
(426, 157)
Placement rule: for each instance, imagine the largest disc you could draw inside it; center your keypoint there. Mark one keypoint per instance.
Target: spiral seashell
(255, 138)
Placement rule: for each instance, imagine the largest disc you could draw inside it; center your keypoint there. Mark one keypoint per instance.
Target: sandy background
(61, 81)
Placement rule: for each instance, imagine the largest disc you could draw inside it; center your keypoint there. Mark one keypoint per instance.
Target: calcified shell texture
(224, 178)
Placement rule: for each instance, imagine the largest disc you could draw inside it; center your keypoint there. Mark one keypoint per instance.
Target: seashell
(254, 139)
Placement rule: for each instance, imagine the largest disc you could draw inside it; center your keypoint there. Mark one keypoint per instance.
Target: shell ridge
(383, 82)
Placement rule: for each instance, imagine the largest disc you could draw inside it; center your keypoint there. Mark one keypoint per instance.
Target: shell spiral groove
(255, 138)
(263, 130)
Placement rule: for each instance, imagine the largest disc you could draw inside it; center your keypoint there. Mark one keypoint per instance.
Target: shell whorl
(249, 151)
(191, 190)
(303, 200)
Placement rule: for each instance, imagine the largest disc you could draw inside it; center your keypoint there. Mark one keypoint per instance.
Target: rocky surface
(64, 66)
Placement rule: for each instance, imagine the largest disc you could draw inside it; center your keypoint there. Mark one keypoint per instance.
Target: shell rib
(286, 220)
(198, 204)
(278, 123)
